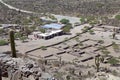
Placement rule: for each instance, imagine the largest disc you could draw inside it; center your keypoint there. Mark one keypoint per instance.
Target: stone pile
(19, 68)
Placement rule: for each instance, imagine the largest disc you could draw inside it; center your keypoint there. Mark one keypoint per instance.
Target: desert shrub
(3, 42)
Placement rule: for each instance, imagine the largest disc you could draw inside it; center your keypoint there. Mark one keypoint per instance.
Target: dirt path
(14, 8)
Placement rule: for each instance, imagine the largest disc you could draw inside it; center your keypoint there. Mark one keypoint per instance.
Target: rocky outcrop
(19, 68)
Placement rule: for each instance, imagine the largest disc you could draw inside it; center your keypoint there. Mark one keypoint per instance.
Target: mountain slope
(69, 7)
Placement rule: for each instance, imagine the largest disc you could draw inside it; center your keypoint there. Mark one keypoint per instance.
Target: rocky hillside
(10, 16)
(3, 12)
(69, 7)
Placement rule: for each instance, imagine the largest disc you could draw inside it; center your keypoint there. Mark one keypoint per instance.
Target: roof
(53, 25)
(49, 34)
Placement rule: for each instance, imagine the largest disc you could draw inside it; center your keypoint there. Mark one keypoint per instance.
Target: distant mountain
(69, 7)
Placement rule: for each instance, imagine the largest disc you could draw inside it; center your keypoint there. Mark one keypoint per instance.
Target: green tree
(17, 35)
(27, 30)
(23, 38)
(64, 21)
(32, 28)
(67, 28)
(42, 30)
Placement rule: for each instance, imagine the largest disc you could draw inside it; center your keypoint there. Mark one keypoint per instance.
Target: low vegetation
(3, 42)
(105, 52)
(23, 38)
(20, 36)
(85, 29)
(113, 61)
(100, 41)
(91, 32)
(117, 17)
(82, 20)
(52, 17)
(42, 30)
(1, 31)
(67, 28)
(116, 47)
(43, 47)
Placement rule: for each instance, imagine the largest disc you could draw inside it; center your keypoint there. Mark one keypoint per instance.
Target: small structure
(47, 35)
(52, 30)
(50, 34)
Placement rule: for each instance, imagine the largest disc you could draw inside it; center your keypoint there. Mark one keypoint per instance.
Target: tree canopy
(42, 30)
(67, 27)
(64, 21)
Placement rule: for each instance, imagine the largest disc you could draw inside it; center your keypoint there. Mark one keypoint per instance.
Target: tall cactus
(12, 43)
(102, 59)
(0, 72)
(97, 63)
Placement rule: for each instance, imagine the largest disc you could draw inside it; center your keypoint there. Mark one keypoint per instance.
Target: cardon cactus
(102, 59)
(0, 72)
(12, 43)
(97, 63)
